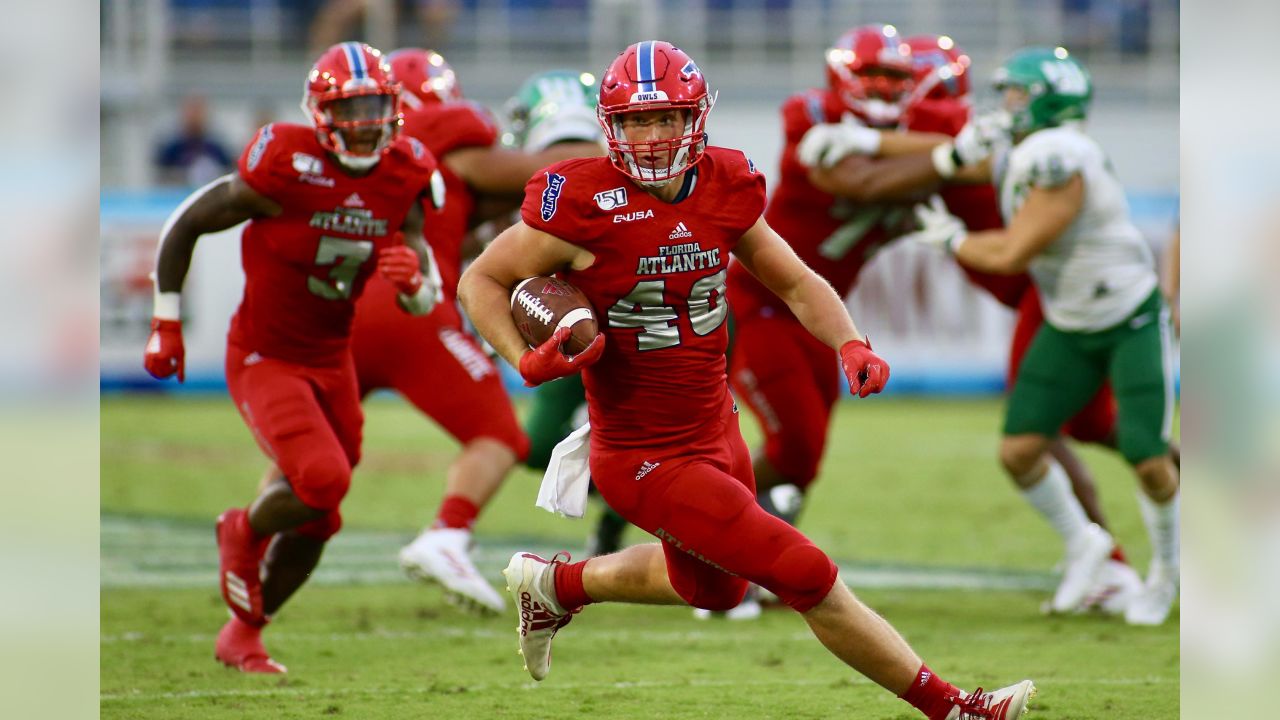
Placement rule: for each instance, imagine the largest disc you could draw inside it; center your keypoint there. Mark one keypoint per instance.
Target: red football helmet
(354, 104)
(426, 77)
(869, 68)
(654, 75)
(941, 68)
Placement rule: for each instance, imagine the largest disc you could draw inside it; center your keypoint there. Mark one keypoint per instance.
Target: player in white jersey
(1067, 223)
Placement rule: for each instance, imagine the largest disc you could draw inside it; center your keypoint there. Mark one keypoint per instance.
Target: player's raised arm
(1045, 214)
(223, 203)
(815, 304)
(503, 171)
(519, 252)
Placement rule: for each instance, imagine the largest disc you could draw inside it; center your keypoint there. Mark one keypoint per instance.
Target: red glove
(164, 353)
(867, 372)
(400, 265)
(546, 362)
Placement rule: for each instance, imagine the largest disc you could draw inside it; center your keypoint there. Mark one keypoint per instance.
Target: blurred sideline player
(432, 361)
(665, 449)
(324, 204)
(939, 104)
(1067, 223)
(553, 107)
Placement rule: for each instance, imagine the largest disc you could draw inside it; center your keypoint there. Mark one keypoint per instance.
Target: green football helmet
(552, 107)
(1059, 88)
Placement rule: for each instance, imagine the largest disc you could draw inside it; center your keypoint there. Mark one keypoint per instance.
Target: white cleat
(531, 582)
(442, 556)
(1118, 584)
(1152, 604)
(1003, 704)
(1085, 558)
(748, 609)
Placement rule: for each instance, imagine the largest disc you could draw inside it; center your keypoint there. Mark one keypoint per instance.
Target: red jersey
(834, 236)
(305, 267)
(443, 128)
(977, 205)
(658, 287)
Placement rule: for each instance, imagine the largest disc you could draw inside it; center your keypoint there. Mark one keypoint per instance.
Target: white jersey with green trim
(1100, 268)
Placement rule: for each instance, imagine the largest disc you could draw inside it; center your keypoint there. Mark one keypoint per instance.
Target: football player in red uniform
(646, 234)
(326, 203)
(431, 360)
(936, 114)
(836, 217)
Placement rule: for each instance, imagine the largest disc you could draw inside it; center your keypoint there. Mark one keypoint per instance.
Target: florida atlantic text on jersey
(658, 287)
(305, 267)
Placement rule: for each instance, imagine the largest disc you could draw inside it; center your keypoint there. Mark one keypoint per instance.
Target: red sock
(931, 695)
(1117, 554)
(569, 590)
(456, 512)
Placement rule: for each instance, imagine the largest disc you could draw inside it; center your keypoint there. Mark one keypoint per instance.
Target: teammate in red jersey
(431, 360)
(325, 204)
(836, 218)
(647, 234)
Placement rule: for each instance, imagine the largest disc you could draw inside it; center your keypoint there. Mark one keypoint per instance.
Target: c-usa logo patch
(611, 199)
(551, 195)
(259, 147)
(308, 164)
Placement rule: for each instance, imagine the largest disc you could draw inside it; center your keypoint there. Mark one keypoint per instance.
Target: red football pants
(1096, 421)
(700, 502)
(307, 420)
(790, 380)
(435, 365)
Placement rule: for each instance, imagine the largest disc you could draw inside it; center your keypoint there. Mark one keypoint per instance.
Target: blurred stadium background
(229, 66)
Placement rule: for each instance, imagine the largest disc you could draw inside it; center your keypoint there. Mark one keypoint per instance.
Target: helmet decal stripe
(644, 67)
(355, 58)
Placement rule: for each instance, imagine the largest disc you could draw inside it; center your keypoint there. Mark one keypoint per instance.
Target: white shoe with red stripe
(531, 582)
(1004, 704)
(442, 556)
(1118, 584)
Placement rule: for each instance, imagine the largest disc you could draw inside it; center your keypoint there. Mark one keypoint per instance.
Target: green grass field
(910, 504)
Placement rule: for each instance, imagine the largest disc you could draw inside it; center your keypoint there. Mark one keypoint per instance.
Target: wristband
(421, 302)
(955, 241)
(168, 306)
(944, 160)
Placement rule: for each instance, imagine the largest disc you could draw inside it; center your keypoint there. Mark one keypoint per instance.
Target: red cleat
(240, 555)
(240, 646)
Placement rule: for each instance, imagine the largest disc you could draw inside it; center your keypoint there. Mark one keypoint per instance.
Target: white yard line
(152, 552)
(446, 688)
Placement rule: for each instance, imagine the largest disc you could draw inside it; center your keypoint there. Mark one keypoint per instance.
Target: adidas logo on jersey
(353, 200)
(645, 468)
(680, 232)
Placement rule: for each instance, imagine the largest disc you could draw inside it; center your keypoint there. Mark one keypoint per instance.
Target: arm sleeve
(747, 194)
(464, 125)
(552, 204)
(1053, 165)
(261, 164)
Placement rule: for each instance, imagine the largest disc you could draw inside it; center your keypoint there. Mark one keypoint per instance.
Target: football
(541, 304)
